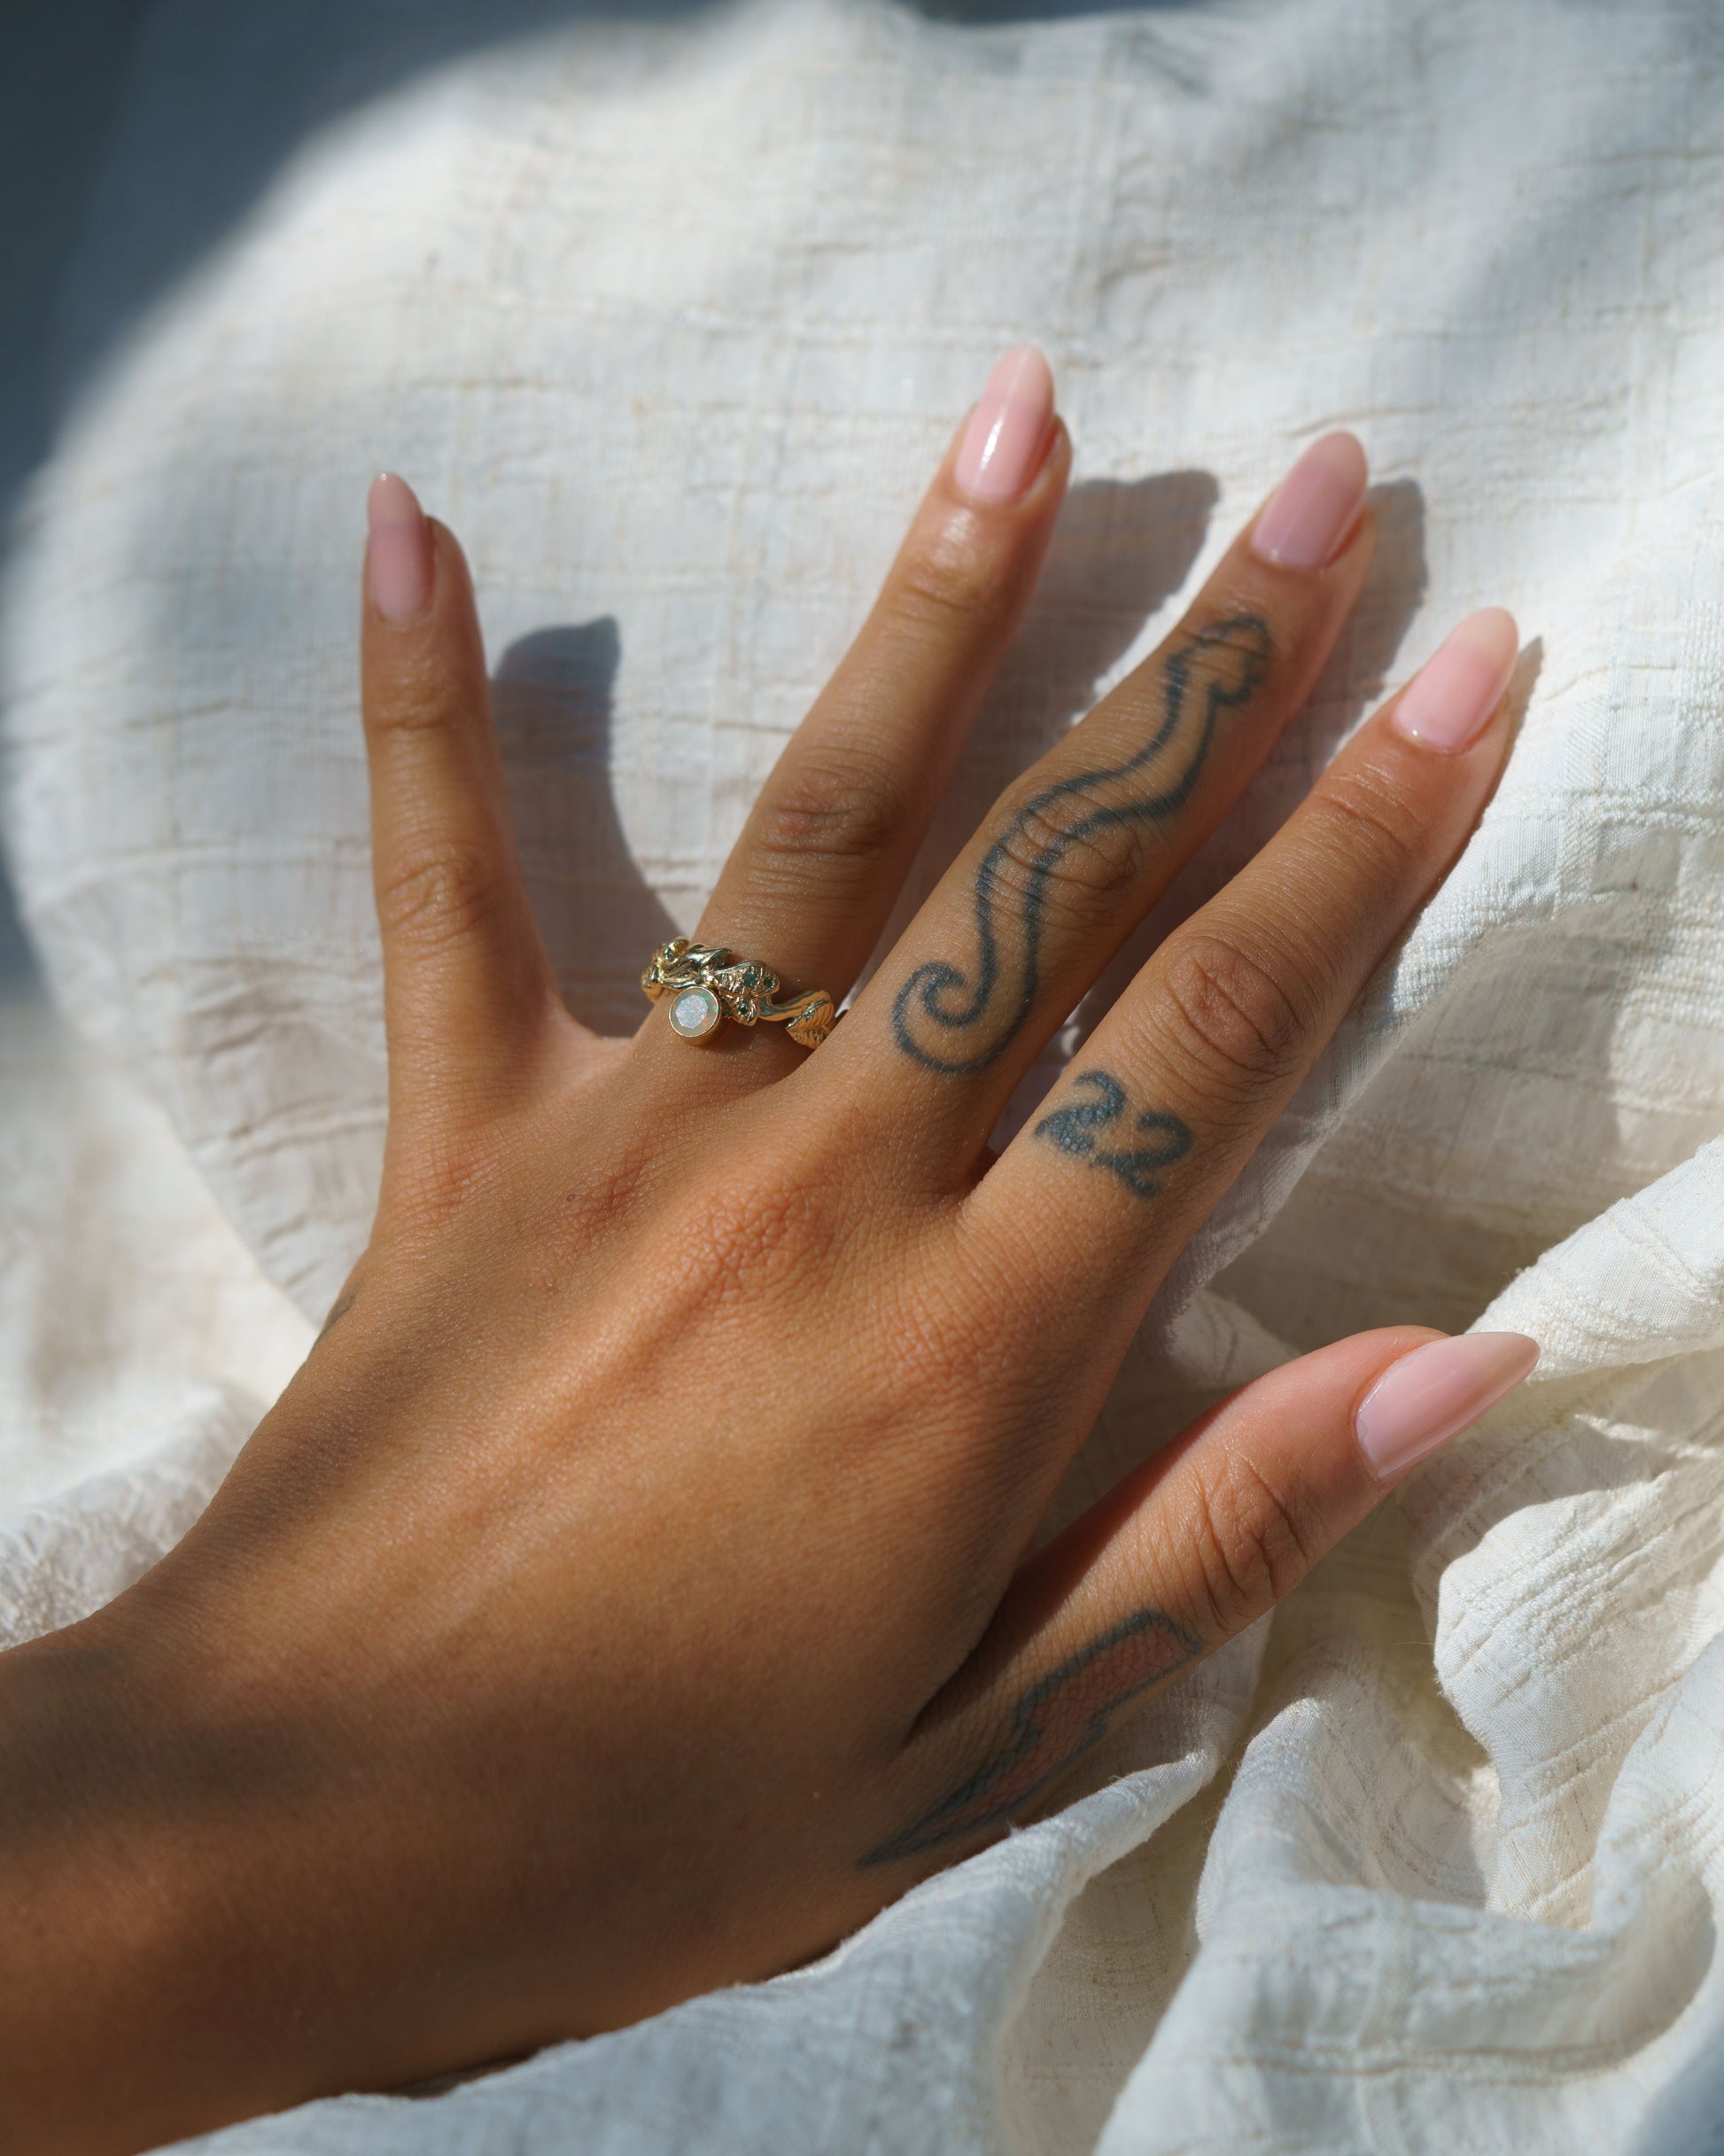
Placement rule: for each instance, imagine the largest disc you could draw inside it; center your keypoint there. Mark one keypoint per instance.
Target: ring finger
(819, 866)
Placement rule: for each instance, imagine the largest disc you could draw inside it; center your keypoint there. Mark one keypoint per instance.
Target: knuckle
(1367, 818)
(1083, 865)
(601, 1203)
(950, 586)
(757, 1235)
(828, 812)
(439, 893)
(421, 699)
(448, 1167)
(1230, 1017)
(1251, 1544)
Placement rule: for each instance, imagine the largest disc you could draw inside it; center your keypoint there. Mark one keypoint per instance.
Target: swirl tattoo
(947, 1019)
(1073, 1129)
(1054, 1723)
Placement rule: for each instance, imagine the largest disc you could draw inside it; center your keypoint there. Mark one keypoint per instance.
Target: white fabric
(129, 1309)
(671, 325)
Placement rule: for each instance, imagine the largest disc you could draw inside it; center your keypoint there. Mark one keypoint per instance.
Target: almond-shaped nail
(399, 560)
(1431, 1395)
(1449, 701)
(1306, 521)
(1011, 429)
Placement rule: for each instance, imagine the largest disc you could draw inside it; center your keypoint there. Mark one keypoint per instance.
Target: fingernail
(1431, 1395)
(400, 555)
(1011, 429)
(1449, 701)
(1304, 521)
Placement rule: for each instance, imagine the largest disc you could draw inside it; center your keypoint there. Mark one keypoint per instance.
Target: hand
(630, 1594)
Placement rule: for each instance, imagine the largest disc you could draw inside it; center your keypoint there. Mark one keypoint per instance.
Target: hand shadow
(553, 695)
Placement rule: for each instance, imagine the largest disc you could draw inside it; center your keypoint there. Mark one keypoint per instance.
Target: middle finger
(1076, 852)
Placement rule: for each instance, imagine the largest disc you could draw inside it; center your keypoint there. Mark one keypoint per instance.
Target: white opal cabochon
(695, 1013)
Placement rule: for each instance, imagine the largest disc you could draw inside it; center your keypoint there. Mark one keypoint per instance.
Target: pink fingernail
(399, 563)
(1305, 520)
(1011, 429)
(1431, 1395)
(1449, 701)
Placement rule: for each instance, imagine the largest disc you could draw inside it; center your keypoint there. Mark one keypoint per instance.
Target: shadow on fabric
(553, 696)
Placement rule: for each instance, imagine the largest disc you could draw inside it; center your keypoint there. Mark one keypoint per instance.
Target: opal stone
(695, 1012)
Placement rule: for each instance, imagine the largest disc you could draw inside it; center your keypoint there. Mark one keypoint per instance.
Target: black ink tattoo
(1074, 1127)
(946, 1019)
(1060, 1717)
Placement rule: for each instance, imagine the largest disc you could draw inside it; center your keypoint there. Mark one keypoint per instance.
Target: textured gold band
(707, 985)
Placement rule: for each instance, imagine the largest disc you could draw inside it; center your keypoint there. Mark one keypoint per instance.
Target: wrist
(134, 2008)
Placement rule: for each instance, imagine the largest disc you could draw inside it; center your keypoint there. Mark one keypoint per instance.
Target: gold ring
(707, 985)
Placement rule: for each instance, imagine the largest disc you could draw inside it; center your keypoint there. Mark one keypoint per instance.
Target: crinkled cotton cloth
(671, 318)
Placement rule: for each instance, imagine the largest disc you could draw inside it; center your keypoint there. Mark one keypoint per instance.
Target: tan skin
(631, 1593)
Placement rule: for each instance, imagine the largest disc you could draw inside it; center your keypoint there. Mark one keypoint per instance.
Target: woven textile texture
(671, 320)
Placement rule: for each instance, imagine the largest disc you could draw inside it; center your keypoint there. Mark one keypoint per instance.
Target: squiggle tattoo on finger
(948, 1019)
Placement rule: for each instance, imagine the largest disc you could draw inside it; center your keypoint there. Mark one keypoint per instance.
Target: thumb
(1182, 1555)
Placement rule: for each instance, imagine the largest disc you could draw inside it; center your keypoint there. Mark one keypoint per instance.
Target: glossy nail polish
(1451, 700)
(1433, 1393)
(1306, 521)
(399, 560)
(1010, 431)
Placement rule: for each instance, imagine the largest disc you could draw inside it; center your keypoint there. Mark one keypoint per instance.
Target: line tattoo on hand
(948, 1019)
(1074, 1129)
(1054, 1723)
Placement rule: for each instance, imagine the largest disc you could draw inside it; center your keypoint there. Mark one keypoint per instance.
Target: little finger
(1178, 1557)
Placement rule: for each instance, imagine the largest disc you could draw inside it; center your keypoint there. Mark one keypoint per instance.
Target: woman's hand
(630, 1594)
